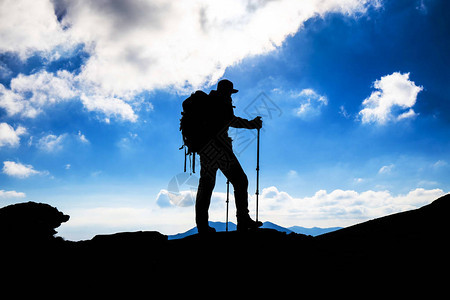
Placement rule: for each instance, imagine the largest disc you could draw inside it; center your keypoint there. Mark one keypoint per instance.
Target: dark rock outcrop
(30, 222)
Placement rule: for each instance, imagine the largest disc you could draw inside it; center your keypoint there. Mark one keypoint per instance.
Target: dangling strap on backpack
(185, 154)
(191, 160)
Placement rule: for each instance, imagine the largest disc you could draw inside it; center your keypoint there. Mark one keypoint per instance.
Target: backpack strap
(191, 159)
(185, 154)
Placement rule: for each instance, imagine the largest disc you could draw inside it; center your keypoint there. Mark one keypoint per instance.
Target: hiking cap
(226, 86)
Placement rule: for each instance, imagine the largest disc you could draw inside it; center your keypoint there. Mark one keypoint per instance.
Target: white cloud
(409, 114)
(440, 164)
(82, 138)
(11, 194)
(358, 180)
(29, 26)
(335, 208)
(51, 142)
(339, 207)
(5, 72)
(186, 198)
(311, 103)
(292, 174)
(343, 112)
(19, 170)
(30, 94)
(145, 45)
(386, 169)
(10, 136)
(179, 198)
(109, 106)
(393, 99)
(45, 87)
(14, 103)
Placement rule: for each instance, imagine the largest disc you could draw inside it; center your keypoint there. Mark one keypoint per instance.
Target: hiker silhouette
(214, 146)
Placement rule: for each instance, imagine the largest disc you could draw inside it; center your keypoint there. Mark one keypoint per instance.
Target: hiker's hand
(257, 123)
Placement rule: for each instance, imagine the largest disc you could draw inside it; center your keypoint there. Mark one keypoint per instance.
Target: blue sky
(354, 98)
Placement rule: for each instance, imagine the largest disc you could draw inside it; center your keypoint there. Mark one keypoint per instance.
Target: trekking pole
(257, 175)
(228, 200)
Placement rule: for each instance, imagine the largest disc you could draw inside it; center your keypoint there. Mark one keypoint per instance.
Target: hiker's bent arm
(238, 122)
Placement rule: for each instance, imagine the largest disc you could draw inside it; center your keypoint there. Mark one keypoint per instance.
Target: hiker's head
(225, 87)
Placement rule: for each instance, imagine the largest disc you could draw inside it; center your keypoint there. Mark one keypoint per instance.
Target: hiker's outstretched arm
(238, 122)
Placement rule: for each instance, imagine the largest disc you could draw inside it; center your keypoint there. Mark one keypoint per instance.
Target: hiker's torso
(220, 116)
(221, 111)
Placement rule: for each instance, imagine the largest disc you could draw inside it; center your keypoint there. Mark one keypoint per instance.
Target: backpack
(194, 124)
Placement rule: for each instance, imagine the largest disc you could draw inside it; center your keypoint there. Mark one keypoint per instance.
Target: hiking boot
(205, 230)
(248, 224)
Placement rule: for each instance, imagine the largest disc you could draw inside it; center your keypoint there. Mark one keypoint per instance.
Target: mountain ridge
(402, 245)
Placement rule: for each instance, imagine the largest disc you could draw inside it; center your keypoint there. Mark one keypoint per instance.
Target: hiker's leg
(205, 188)
(234, 172)
(236, 175)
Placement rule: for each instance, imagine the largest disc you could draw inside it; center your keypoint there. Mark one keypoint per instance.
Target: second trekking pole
(257, 174)
(228, 201)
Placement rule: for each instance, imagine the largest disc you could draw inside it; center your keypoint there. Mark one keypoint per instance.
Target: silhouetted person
(218, 154)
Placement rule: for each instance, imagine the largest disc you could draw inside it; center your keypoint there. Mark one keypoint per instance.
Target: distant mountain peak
(221, 226)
